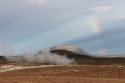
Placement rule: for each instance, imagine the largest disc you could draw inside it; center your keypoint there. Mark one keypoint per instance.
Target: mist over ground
(44, 58)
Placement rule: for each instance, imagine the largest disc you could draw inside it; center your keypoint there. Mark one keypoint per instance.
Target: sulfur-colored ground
(67, 74)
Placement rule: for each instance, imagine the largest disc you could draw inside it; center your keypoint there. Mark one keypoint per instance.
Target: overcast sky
(97, 26)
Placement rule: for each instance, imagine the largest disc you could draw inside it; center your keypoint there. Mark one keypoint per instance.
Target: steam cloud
(45, 58)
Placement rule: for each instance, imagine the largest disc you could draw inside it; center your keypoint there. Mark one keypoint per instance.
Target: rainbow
(95, 25)
(93, 20)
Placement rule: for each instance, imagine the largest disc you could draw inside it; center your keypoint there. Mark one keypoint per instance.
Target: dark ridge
(87, 59)
(70, 54)
(3, 60)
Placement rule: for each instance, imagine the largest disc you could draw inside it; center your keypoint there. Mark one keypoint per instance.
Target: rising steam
(45, 58)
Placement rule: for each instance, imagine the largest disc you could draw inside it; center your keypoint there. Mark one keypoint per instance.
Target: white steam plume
(45, 58)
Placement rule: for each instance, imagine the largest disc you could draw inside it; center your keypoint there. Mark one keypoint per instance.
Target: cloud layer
(101, 9)
(36, 24)
(35, 2)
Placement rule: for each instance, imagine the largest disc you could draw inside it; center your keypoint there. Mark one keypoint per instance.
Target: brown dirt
(67, 74)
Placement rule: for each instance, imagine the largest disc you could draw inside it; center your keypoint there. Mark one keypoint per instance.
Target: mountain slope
(73, 49)
(72, 52)
(82, 57)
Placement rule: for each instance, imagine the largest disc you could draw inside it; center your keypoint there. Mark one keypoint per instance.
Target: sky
(97, 26)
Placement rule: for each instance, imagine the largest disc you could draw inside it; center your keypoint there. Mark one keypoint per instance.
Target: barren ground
(64, 74)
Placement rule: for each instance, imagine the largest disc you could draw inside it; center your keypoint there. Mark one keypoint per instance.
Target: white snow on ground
(8, 68)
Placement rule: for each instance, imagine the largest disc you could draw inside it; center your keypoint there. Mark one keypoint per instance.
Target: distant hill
(82, 57)
(73, 49)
